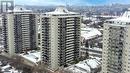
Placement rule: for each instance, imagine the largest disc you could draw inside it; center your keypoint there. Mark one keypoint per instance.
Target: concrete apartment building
(116, 45)
(19, 30)
(60, 37)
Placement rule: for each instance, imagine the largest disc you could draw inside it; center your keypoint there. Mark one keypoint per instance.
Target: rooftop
(61, 10)
(20, 9)
(32, 56)
(124, 18)
(85, 66)
(9, 69)
(89, 33)
(93, 63)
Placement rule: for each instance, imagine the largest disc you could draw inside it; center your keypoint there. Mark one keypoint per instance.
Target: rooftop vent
(61, 9)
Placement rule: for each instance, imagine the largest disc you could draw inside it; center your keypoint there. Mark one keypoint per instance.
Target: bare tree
(41, 68)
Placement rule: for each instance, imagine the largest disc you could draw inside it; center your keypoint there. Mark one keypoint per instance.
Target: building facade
(60, 37)
(19, 31)
(116, 45)
(91, 52)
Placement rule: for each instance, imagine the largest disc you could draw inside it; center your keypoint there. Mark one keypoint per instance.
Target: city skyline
(74, 2)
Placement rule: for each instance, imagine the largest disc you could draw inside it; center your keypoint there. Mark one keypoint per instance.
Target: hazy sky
(70, 2)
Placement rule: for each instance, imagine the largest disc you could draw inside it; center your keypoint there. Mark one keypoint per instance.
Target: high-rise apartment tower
(19, 30)
(60, 37)
(116, 45)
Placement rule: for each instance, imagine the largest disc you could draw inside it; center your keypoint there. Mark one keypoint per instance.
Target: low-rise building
(88, 33)
(87, 66)
(95, 52)
(31, 58)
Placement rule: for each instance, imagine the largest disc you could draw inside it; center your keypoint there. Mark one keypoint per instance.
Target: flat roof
(32, 56)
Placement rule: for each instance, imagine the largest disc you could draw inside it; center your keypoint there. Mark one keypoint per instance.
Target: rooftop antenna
(67, 4)
(14, 2)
